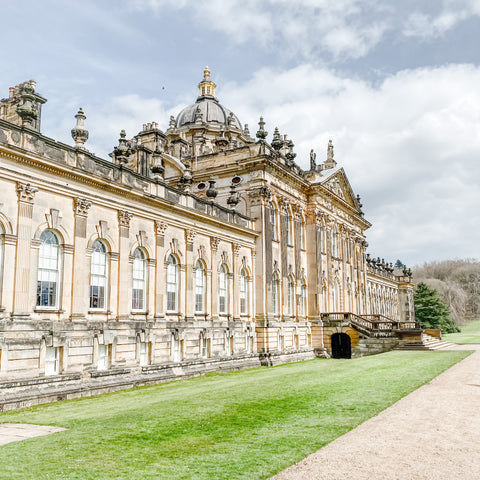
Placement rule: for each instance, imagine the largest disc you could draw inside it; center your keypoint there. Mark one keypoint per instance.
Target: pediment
(337, 183)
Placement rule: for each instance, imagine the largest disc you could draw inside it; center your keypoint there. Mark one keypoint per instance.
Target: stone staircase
(427, 343)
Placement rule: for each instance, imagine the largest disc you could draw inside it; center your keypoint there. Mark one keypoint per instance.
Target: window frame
(99, 278)
(244, 294)
(48, 271)
(139, 256)
(200, 287)
(223, 288)
(172, 284)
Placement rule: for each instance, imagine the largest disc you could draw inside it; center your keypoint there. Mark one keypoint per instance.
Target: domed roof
(207, 104)
(212, 112)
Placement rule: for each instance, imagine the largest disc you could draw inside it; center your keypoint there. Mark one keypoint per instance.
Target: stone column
(26, 195)
(160, 280)
(189, 287)
(214, 242)
(81, 271)
(124, 295)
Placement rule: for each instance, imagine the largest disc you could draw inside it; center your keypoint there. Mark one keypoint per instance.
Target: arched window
(222, 290)
(200, 287)
(98, 276)
(139, 280)
(303, 299)
(172, 284)
(48, 271)
(273, 220)
(275, 294)
(291, 296)
(243, 292)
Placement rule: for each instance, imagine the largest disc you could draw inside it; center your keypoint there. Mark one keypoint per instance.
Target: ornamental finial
(206, 73)
(79, 133)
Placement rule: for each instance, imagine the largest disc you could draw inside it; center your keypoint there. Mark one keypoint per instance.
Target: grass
(239, 425)
(470, 334)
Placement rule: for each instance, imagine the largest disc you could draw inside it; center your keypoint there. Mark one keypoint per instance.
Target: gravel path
(433, 433)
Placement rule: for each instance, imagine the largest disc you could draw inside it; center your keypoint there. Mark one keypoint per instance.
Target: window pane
(98, 276)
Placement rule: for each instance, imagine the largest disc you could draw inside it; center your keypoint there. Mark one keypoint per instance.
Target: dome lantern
(206, 88)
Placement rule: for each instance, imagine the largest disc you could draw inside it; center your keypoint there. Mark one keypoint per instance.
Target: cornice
(87, 178)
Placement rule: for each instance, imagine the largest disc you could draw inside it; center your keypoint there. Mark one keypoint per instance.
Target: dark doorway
(341, 347)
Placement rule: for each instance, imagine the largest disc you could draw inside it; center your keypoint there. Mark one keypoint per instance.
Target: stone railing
(371, 323)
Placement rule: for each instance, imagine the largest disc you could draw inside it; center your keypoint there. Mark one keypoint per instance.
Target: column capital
(124, 218)
(160, 227)
(214, 243)
(81, 206)
(190, 235)
(26, 192)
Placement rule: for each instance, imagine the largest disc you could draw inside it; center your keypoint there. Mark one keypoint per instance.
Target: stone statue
(313, 163)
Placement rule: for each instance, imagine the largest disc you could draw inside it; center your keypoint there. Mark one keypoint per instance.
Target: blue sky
(395, 85)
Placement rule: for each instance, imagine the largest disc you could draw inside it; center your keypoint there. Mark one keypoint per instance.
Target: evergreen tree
(430, 310)
(399, 264)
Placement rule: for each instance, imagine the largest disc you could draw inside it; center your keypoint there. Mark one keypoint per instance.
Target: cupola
(206, 88)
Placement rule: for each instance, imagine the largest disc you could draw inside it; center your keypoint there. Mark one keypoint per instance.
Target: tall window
(275, 294)
(48, 271)
(98, 276)
(139, 280)
(243, 292)
(334, 242)
(291, 296)
(172, 284)
(302, 233)
(273, 220)
(200, 285)
(289, 229)
(303, 299)
(222, 290)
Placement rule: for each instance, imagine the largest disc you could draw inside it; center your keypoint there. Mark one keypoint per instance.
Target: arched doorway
(341, 346)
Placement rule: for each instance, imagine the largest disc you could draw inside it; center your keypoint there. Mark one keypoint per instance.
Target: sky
(394, 84)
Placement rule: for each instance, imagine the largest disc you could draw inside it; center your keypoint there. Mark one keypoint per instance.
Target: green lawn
(240, 425)
(470, 334)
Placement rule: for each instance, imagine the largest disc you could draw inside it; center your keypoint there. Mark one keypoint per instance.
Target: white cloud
(411, 147)
(431, 25)
(341, 28)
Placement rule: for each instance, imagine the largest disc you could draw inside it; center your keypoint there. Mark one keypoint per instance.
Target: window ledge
(48, 310)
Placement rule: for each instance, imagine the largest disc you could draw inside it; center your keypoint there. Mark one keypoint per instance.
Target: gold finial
(206, 88)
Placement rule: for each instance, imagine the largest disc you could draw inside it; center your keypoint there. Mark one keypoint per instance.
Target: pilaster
(26, 196)
(80, 271)
(124, 296)
(160, 306)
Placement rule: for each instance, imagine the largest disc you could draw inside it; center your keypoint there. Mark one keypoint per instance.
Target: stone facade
(193, 249)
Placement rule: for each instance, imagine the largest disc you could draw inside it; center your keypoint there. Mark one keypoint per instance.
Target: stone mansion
(193, 249)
